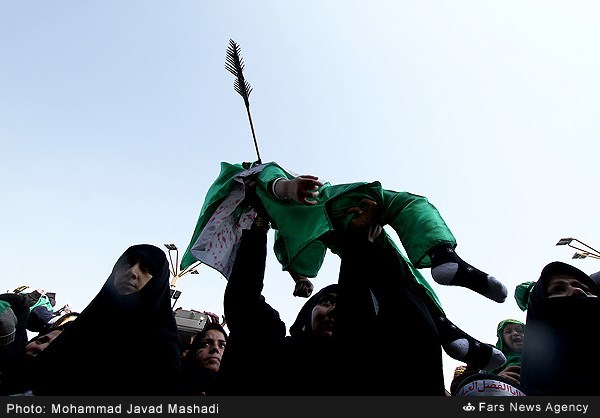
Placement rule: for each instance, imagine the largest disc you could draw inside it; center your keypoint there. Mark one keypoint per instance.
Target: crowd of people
(379, 329)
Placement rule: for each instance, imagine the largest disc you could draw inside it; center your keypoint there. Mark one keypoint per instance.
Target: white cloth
(218, 242)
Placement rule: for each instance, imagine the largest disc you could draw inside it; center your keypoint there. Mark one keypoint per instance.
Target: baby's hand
(303, 288)
(302, 189)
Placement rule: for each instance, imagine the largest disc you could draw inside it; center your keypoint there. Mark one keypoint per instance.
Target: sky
(115, 116)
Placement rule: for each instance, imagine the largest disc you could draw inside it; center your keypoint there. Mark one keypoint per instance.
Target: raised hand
(212, 317)
(512, 373)
(366, 219)
(303, 189)
(303, 287)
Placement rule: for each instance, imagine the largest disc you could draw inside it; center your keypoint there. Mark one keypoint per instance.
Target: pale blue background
(114, 116)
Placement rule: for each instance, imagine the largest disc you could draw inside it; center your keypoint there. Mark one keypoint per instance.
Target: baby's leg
(461, 346)
(448, 268)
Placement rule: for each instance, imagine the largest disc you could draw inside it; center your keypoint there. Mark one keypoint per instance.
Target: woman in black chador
(125, 342)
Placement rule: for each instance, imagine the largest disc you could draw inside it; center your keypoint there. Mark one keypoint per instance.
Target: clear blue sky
(114, 116)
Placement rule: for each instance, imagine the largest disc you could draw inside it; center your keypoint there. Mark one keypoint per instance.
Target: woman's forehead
(213, 333)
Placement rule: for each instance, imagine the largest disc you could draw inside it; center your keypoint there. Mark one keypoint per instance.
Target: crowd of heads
(128, 332)
(545, 355)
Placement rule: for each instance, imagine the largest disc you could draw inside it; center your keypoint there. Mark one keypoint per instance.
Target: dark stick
(235, 65)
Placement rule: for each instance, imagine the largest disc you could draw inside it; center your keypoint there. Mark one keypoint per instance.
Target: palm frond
(234, 63)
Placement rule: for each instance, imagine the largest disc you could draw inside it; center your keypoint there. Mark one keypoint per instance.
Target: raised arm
(243, 303)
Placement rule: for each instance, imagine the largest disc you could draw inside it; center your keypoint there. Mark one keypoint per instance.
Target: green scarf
(522, 293)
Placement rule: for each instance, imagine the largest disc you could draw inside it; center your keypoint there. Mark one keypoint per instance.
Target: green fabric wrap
(522, 293)
(298, 228)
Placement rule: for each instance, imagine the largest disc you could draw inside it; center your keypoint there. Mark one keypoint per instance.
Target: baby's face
(513, 335)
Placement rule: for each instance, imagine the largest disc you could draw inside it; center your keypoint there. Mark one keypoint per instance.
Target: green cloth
(43, 301)
(512, 357)
(300, 228)
(8, 323)
(416, 221)
(522, 293)
(4, 306)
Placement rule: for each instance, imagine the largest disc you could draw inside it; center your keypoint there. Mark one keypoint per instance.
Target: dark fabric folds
(559, 356)
(119, 344)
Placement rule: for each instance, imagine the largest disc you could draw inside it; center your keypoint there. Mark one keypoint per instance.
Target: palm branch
(234, 63)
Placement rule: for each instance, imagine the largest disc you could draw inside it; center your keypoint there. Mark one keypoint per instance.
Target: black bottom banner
(299, 406)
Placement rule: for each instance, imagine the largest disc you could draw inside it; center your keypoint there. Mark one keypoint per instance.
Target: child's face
(322, 321)
(211, 350)
(513, 335)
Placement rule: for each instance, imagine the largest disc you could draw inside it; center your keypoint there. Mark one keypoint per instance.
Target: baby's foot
(461, 346)
(447, 268)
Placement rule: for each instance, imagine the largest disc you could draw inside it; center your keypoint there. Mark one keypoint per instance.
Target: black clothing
(12, 374)
(383, 313)
(384, 341)
(119, 344)
(260, 359)
(559, 356)
(197, 379)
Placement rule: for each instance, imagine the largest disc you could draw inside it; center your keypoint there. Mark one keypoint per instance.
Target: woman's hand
(512, 374)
